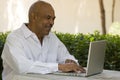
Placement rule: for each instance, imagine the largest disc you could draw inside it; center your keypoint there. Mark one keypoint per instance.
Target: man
(34, 49)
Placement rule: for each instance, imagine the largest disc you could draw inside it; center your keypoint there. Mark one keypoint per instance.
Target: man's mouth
(48, 28)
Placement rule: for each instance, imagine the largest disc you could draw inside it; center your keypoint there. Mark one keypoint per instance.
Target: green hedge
(2, 41)
(78, 45)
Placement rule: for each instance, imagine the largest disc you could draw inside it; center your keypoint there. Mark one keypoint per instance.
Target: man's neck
(40, 37)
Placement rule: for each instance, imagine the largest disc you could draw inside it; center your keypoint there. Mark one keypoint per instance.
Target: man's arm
(14, 56)
(67, 62)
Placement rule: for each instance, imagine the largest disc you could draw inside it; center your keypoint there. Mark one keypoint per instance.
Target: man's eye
(48, 17)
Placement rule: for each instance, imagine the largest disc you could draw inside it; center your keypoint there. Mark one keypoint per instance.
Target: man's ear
(33, 17)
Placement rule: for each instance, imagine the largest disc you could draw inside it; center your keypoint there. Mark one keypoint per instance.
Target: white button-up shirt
(23, 53)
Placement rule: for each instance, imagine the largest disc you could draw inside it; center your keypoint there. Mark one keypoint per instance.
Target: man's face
(44, 20)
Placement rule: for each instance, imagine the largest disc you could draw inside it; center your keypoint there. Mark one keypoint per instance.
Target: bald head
(38, 8)
(41, 18)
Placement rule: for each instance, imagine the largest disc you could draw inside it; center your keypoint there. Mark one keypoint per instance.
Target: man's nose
(51, 21)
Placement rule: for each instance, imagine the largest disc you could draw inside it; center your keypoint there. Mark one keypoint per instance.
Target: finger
(75, 70)
(82, 70)
(78, 70)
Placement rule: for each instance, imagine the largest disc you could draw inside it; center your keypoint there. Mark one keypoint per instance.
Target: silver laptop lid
(96, 56)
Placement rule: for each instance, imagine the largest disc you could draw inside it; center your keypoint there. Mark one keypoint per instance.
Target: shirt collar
(27, 32)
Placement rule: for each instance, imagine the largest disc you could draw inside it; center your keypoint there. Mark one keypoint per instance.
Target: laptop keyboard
(69, 74)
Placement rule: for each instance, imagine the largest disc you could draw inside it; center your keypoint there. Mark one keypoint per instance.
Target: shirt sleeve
(64, 54)
(13, 55)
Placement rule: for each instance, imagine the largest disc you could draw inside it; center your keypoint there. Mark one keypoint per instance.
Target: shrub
(78, 45)
(2, 41)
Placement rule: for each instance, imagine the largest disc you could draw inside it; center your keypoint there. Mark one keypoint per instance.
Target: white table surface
(105, 75)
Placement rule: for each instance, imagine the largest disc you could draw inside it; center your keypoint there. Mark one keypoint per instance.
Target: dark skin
(41, 20)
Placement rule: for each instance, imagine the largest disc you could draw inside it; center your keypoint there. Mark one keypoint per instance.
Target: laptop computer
(95, 60)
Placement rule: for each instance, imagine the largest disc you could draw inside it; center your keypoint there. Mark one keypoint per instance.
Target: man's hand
(67, 67)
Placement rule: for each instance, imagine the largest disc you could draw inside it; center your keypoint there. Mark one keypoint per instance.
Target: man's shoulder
(21, 31)
(54, 37)
(15, 34)
(52, 34)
